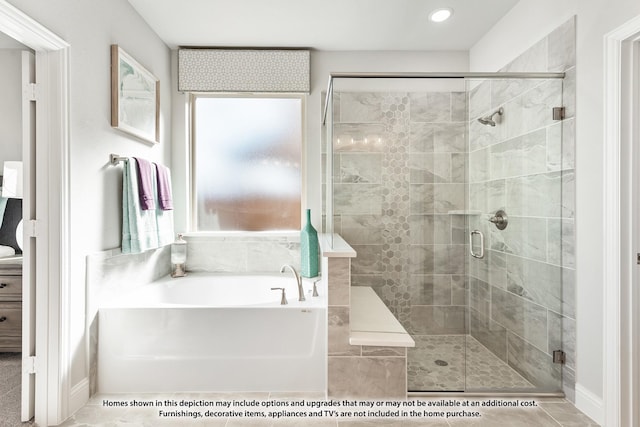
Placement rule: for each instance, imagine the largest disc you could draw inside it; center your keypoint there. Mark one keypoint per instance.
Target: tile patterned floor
(462, 354)
(551, 412)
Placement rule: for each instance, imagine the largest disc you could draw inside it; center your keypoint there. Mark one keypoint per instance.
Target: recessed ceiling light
(441, 14)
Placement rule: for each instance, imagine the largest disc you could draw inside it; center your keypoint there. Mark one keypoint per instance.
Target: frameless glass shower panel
(399, 183)
(517, 308)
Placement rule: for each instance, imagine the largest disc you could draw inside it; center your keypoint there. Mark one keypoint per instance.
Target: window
(246, 157)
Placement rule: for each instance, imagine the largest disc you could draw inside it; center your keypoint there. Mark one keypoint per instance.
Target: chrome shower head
(489, 121)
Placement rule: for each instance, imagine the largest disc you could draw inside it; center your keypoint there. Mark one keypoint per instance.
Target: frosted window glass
(247, 156)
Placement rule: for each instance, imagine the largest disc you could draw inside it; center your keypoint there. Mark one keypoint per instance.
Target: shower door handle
(479, 255)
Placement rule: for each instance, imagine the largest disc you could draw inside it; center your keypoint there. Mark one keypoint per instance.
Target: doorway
(16, 126)
(47, 222)
(622, 234)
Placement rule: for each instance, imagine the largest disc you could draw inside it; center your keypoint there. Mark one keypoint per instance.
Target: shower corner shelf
(464, 212)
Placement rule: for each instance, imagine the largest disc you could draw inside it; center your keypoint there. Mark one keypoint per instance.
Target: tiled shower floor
(458, 363)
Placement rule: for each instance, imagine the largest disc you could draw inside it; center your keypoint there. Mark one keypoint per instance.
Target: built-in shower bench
(372, 323)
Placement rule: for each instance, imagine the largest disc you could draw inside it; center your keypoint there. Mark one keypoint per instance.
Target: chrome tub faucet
(298, 280)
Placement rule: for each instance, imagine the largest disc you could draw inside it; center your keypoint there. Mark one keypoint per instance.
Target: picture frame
(135, 97)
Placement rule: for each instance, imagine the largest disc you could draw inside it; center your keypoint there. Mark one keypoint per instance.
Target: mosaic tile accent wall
(522, 295)
(399, 178)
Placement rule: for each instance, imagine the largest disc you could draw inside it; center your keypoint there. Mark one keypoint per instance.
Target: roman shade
(240, 70)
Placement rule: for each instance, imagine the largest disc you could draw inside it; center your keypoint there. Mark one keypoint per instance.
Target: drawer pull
(3, 285)
(3, 318)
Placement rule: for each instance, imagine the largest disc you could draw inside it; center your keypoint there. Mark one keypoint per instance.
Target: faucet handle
(315, 288)
(283, 300)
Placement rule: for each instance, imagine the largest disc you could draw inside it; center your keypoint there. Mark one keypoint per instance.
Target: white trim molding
(620, 220)
(52, 388)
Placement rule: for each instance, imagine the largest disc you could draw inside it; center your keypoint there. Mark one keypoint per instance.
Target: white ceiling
(321, 24)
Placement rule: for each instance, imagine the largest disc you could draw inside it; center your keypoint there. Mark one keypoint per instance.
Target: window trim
(192, 214)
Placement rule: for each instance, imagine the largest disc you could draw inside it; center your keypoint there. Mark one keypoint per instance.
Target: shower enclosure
(455, 192)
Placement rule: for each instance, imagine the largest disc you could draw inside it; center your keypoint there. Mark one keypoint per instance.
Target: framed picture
(135, 97)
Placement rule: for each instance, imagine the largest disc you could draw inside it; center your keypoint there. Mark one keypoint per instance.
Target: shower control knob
(500, 219)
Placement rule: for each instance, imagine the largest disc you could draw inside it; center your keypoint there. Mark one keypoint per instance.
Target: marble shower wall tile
(526, 237)
(431, 289)
(421, 229)
(520, 316)
(438, 320)
(241, 254)
(479, 99)
(360, 167)
(562, 336)
(421, 137)
(358, 137)
(362, 229)
(450, 137)
(338, 333)
(491, 334)
(368, 261)
(367, 377)
(523, 155)
(365, 107)
(357, 198)
(430, 107)
(339, 280)
(561, 242)
(532, 363)
(536, 281)
(536, 195)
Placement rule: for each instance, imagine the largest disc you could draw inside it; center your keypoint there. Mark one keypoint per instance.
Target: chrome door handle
(473, 254)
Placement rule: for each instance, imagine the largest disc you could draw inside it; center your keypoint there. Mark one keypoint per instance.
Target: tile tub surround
(109, 273)
(242, 253)
(522, 295)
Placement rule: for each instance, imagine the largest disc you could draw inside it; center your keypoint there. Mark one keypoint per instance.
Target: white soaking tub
(213, 332)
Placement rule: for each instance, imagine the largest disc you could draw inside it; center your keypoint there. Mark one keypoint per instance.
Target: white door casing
(621, 221)
(51, 200)
(28, 252)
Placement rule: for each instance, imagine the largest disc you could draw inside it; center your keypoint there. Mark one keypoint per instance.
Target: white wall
(526, 23)
(10, 106)
(91, 27)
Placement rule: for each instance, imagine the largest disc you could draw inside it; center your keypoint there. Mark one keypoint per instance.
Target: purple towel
(165, 199)
(145, 184)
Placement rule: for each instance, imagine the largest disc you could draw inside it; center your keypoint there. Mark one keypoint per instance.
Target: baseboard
(79, 396)
(590, 404)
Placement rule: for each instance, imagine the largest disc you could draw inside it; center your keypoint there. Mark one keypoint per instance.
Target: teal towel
(139, 227)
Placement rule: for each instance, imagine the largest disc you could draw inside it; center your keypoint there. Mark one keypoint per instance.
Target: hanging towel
(145, 174)
(165, 198)
(139, 227)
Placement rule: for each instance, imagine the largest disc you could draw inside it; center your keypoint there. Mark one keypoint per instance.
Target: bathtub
(213, 333)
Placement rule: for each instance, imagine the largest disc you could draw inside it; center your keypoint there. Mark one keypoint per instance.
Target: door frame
(621, 221)
(51, 230)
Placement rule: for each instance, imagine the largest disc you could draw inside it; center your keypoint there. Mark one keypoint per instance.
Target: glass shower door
(520, 201)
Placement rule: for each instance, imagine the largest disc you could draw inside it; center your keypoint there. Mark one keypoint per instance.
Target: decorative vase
(308, 249)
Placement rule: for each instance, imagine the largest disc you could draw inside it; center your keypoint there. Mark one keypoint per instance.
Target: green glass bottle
(308, 249)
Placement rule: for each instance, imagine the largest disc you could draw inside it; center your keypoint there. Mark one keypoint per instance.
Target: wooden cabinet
(10, 309)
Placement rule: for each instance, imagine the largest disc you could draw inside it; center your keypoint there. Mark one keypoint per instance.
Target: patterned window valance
(230, 70)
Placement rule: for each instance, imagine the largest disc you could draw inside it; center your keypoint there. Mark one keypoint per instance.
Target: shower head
(488, 120)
